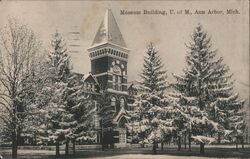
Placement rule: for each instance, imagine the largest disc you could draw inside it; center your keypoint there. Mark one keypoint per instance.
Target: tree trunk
(14, 145)
(154, 147)
(67, 147)
(179, 143)
(57, 148)
(74, 146)
(242, 142)
(185, 140)
(102, 141)
(35, 139)
(219, 138)
(189, 141)
(142, 145)
(162, 144)
(236, 141)
(202, 148)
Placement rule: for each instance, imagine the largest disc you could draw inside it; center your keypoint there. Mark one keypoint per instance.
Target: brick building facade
(107, 82)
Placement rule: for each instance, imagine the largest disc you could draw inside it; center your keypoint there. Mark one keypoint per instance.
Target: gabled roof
(121, 113)
(91, 78)
(109, 31)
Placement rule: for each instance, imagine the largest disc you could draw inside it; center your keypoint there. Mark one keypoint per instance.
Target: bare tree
(19, 50)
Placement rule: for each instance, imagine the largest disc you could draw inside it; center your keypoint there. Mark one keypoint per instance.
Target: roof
(91, 78)
(121, 113)
(109, 32)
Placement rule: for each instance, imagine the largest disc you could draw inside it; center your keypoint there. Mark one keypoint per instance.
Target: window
(113, 100)
(122, 102)
(119, 87)
(113, 81)
(119, 79)
(96, 118)
(93, 87)
(117, 69)
(85, 85)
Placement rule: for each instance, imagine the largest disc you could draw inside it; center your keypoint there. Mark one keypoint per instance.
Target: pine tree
(206, 91)
(152, 118)
(59, 60)
(82, 107)
(59, 121)
(153, 76)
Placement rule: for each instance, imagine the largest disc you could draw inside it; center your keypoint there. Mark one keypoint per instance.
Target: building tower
(109, 57)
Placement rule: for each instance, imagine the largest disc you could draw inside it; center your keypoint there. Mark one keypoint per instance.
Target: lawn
(136, 153)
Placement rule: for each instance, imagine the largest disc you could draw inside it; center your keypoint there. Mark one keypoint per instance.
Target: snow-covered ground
(142, 156)
(139, 153)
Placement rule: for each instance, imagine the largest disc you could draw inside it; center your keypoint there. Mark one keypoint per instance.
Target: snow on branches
(205, 91)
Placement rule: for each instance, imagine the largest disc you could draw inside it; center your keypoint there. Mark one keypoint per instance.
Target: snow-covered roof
(121, 113)
(109, 32)
(117, 92)
(89, 77)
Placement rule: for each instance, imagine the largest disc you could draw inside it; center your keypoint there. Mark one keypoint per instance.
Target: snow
(118, 116)
(116, 91)
(203, 139)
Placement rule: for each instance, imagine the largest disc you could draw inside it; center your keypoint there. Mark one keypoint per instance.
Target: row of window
(110, 51)
(113, 102)
(117, 79)
(117, 87)
(117, 82)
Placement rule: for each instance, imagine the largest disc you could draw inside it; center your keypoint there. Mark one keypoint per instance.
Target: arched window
(122, 102)
(113, 101)
(122, 122)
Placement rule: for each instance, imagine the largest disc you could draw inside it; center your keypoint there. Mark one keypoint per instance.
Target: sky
(169, 33)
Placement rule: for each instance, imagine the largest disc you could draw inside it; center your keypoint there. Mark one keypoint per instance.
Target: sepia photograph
(125, 79)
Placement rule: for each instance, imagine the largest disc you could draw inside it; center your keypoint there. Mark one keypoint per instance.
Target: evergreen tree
(59, 121)
(152, 117)
(206, 87)
(83, 108)
(153, 76)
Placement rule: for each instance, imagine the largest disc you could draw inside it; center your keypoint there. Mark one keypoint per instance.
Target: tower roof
(109, 32)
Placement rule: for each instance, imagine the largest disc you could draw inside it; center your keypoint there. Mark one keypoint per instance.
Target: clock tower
(109, 57)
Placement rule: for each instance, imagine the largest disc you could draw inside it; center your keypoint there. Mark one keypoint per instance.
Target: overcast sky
(230, 34)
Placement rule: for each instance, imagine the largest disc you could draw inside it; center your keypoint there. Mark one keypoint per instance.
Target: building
(107, 82)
